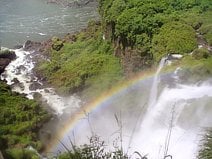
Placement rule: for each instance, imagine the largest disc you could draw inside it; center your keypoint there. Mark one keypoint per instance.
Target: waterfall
(156, 80)
(19, 74)
(173, 124)
(175, 119)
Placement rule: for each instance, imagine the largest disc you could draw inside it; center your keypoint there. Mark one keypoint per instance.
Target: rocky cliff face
(6, 56)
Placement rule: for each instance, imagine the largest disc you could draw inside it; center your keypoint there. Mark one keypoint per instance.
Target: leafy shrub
(19, 118)
(201, 53)
(174, 37)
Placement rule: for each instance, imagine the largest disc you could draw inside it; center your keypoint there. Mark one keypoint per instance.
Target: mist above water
(172, 125)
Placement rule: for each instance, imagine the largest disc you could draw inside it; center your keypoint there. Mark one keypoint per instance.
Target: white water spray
(154, 88)
(19, 74)
(174, 120)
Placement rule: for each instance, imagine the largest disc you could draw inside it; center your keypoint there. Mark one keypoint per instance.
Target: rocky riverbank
(6, 56)
(74, 3)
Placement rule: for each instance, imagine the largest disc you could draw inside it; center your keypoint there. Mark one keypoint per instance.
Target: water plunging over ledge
(183, 110)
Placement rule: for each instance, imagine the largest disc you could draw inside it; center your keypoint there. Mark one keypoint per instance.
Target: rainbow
(97, 103)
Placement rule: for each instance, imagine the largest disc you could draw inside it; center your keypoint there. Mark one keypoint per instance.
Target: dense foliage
(20, 119)
(83, 63)
(86, 63)
(156, 27)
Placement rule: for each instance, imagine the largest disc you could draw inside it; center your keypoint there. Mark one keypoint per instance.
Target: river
(156, 116)
(22, 20)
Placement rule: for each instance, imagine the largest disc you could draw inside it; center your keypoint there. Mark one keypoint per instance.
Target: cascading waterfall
(156, 80)
(19, 74)
(174, 122)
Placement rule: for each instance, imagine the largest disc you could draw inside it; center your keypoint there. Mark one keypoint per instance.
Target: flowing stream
(173, 125)
(177, 113)
(19, 74)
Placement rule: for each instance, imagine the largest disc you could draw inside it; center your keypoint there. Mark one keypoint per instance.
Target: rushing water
(173, 125)
(22, 20)
(19, 74)
(177, 113)
(154, 89)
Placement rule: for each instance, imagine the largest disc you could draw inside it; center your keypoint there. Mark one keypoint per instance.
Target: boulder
(7, 54)
(174, 56)
(18, 47)
(35, 86)
(31, 45)
(57, 44)
(3, 64)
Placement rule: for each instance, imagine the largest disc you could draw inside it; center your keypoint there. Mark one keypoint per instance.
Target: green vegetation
(206, 28)
(97, 149)
(20, 119)
(17, 153)
(156, 27)
(174, 37)
(88, 62)
(138, 32)
(3, 52)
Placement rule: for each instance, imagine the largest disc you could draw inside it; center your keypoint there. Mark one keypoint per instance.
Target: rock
(3, 64)
(31, 45)
(57, 44)
(46, 91)
(35, 86)
(16, 81)
(174, 56)
(18, 47)
(7, 54)
(37, 96)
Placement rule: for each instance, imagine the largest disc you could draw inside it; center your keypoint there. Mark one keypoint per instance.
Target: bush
(174, 37)
(201, 53)
(18, 118)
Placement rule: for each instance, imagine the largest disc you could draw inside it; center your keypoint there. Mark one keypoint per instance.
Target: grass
(88, 64)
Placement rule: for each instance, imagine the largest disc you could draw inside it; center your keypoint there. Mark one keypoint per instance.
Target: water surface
(21, 20)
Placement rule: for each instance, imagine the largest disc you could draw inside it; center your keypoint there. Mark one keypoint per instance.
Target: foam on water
(19, 74)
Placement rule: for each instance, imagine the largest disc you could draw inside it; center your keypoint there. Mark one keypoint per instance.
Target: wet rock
(35, 86)
(21, 67)
(31, 45)
(174, 56)
(46, 91)
(16, 81)
(7, 54)
(3, 64)
(18, 47)
(37, 96)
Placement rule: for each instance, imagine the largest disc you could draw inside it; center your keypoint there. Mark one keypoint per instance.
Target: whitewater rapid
(185, 111)
(173, 125)
(19, 74)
